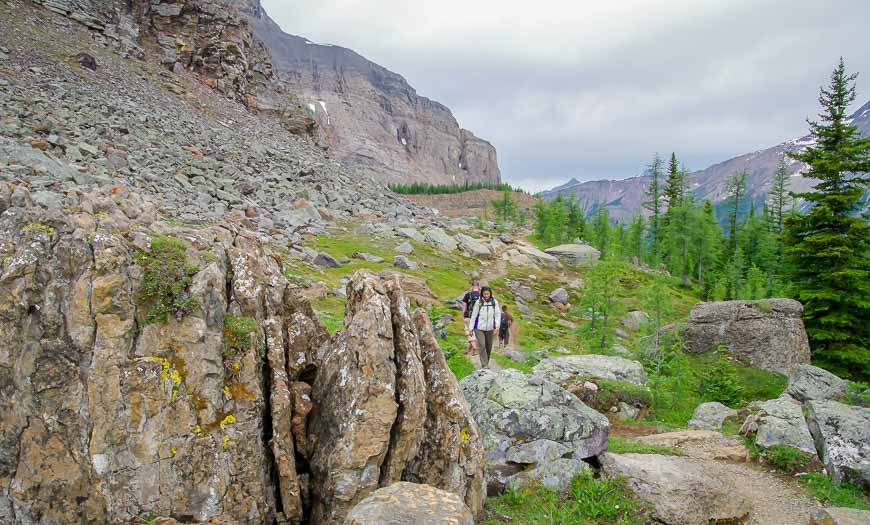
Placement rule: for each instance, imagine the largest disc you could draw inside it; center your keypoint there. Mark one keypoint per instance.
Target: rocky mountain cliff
(624, 198)
(372, 118)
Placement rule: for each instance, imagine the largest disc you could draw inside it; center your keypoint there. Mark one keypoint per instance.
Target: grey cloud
(590, 90)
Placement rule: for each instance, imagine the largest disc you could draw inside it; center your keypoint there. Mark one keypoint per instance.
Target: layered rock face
(372, 118)
(766, 334)
(212, 38)
(225, 402)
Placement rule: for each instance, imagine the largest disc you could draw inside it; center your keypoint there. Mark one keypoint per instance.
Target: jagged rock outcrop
(531, 427)
(766, 334)
(211, 38)
(372, 118)
(150, 368)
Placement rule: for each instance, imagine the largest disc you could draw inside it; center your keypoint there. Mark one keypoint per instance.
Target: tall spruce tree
(675, 187)
(654, 204)
(829, 248)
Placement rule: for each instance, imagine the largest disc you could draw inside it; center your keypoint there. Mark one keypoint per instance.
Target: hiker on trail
(504, 329)
(484, 322)
(468, 301)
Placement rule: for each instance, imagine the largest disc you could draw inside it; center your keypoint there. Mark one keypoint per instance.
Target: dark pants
(504, 337)
(484, 341)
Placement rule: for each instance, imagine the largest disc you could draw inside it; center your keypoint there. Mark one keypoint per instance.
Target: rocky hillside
(372, 118)
(624, 198)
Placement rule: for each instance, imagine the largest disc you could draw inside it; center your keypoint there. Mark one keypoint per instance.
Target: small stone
(590, 386)
(406, 264)
(250, 212)
(87, 61)
(39, 144)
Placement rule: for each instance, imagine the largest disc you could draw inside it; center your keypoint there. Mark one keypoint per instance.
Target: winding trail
(774, 500)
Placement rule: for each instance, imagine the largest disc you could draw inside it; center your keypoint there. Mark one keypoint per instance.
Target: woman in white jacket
(484, 321)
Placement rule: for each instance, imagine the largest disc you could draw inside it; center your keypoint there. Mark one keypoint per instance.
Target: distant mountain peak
(707, 184)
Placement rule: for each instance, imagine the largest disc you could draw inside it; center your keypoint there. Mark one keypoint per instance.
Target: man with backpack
(484, 323)
(468, 301)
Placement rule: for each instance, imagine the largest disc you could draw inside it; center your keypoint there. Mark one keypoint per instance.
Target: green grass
(590, 501)
(788, 459)
(619, 445)
(823, 488)
(454, 348)
(506, 362)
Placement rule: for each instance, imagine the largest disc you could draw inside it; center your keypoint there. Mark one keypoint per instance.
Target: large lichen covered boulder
(766, 334)
(405, 503)
(529, 423)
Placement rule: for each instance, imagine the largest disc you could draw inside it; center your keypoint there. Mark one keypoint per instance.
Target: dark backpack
(469, 300)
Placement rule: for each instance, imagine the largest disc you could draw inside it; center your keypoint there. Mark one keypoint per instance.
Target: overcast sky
(592, 89)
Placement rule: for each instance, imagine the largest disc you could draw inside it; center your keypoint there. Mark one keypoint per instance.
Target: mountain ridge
(707, 184)
(371, 117)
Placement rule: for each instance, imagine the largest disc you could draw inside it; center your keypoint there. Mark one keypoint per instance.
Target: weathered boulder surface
(404, 503)
(766, 334)
(520, 255)
(711, 416)
(682, 491)
(575, 254)
(472, 247)
(842, 437)
(568, 368)
(840, 516)
(529, 423)
(635, 319)
(781, 422)
(811, 382)
(559, 295)
(440, 239)
(110, 413)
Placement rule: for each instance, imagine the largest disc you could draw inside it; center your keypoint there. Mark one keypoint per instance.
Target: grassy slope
(677, 393)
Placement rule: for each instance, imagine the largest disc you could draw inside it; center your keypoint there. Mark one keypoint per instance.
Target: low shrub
(237, 334)
(167, 279)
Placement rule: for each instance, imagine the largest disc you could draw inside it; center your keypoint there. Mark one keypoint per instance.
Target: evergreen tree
(829, 248)
(576, 220)
(654, 204)
(736, 198)
(505, 207)
(601, 231)
(779, 195)
(635, 239)
(707, 242)
(675, 188)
